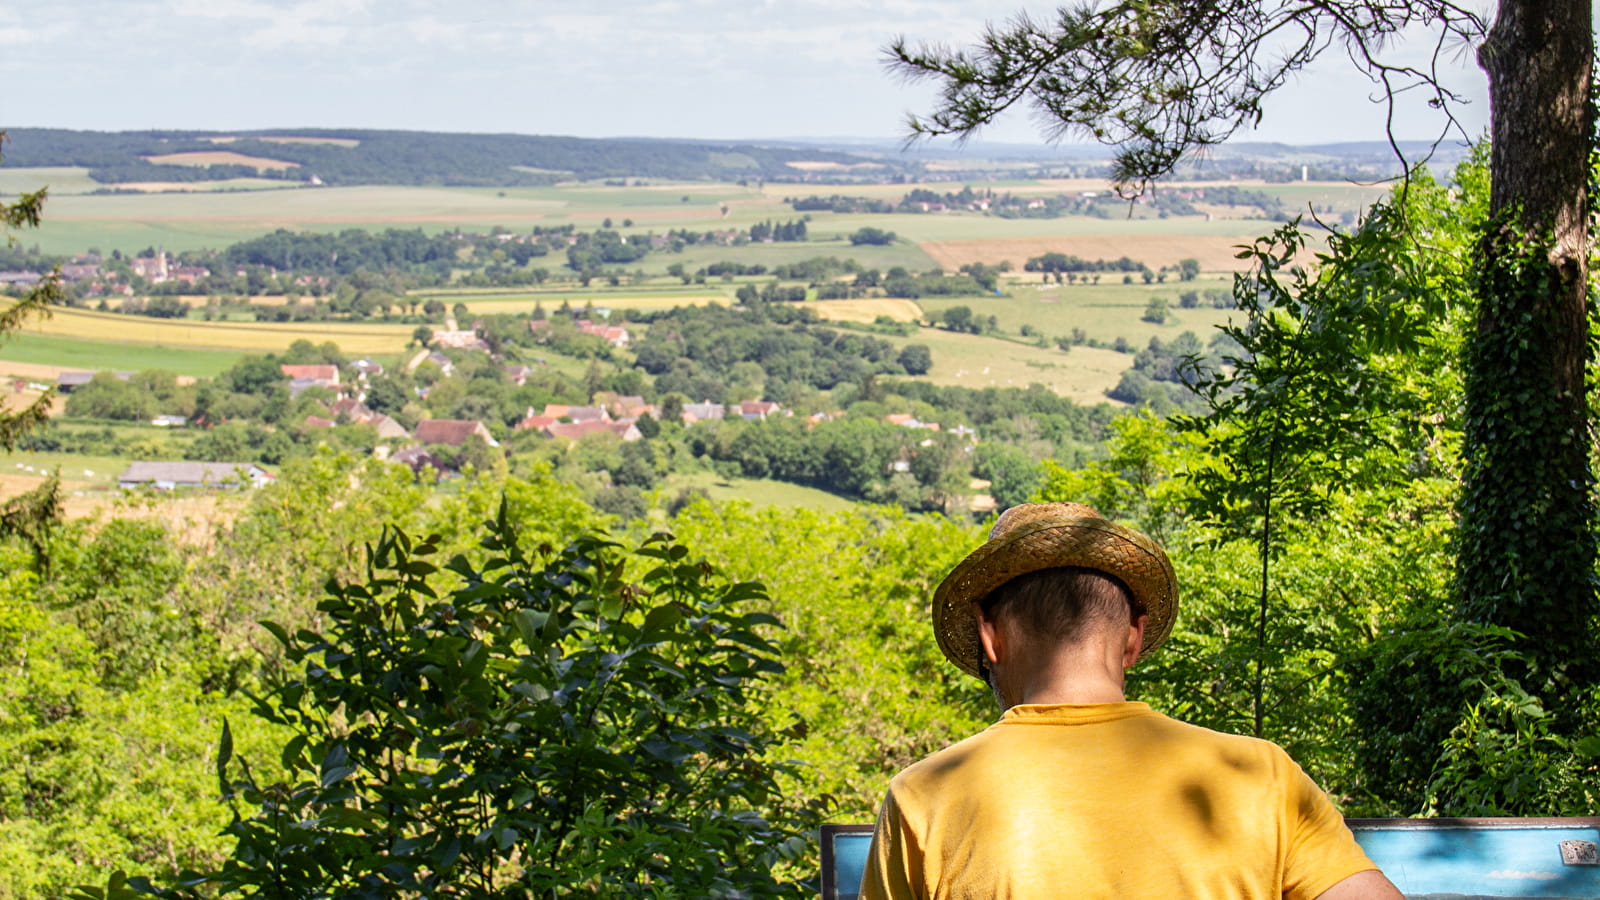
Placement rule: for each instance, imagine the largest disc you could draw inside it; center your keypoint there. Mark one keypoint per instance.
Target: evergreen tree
(28, 515)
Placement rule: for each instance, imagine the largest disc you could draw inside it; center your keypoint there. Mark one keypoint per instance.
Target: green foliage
(869, 235)
(1013, 475)
(114, 585)
(580, 721)
(105, 734)
(310, 524)
(916, 359)
(108, 397)
(31, 514)
(863, 672)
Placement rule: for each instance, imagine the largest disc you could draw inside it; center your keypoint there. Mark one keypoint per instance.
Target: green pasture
(75, 221)
(1083, 374)
(1325, 197)
(1103, 311)
(61, 181)
(756, 491)
(51, 350)
(214, 219)
(96, 471)
(128, 432)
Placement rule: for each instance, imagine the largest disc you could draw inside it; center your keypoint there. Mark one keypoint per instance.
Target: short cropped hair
(1057, 604)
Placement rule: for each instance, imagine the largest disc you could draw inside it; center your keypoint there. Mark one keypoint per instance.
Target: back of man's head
(1060, 606)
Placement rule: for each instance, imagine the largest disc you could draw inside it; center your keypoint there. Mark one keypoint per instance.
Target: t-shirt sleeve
(1322, 851)
(894, 862)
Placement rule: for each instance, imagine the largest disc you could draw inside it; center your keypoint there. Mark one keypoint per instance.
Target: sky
(708, 69)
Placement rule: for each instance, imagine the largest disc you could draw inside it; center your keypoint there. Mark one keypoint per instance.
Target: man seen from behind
(1075, 791)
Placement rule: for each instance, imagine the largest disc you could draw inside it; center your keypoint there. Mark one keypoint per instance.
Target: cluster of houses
(615, 335)
(619, 414)
(157, 269)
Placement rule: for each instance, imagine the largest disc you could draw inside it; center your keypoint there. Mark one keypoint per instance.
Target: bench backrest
(1464, 857)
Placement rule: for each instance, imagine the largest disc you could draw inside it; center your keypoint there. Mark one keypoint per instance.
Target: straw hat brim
(1092, 543)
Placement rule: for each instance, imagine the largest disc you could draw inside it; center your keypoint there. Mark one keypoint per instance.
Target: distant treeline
(405, 157)
(1177, 201)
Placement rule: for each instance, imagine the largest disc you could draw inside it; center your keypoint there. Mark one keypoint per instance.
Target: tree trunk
(1526, 551)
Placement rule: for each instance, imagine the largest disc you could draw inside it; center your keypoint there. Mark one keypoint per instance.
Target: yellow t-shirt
(1107, 801)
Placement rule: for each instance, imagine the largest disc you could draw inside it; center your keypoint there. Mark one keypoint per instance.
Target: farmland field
(55, 351)
(758, 492)
(967, 360)
(866, 310)
(1103, 311)
(901, 253)
(76, 219)
(61, 181)
(182, 334)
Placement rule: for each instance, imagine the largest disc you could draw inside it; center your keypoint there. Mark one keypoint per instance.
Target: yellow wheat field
(866, 310)
(352, 338)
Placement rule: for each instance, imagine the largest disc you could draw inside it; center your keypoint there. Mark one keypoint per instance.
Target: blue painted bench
(1457, 858)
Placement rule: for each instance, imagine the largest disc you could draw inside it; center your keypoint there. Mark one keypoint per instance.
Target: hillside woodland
(399, 157)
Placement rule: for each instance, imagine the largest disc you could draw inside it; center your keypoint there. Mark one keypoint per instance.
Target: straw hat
(1037, 536)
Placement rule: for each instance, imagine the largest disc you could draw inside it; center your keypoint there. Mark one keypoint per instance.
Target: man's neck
(1055, 692)
(1071, 678)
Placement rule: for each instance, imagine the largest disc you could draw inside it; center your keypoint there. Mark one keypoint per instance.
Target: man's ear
(1135, 644)
(989, 635)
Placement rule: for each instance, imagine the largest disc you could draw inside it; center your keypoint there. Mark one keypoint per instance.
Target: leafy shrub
(580, 722)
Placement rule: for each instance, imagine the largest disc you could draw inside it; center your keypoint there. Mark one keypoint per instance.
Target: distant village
(417, 448)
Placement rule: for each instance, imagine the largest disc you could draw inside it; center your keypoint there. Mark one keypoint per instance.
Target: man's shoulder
(942, 760)
(1226, 741)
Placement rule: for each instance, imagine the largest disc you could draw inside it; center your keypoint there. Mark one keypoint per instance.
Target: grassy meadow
(757, 491)
(56, 349)
(1083, 374)
(1104, 311)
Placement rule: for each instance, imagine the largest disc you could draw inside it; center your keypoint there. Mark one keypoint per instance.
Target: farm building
(167, 476)
(572, 431)
(452, 432)
(323, 375)
(460, 340)
(703, 412)
(758, 410)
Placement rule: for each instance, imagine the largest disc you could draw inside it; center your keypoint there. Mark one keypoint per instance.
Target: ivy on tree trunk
(1526, 546)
